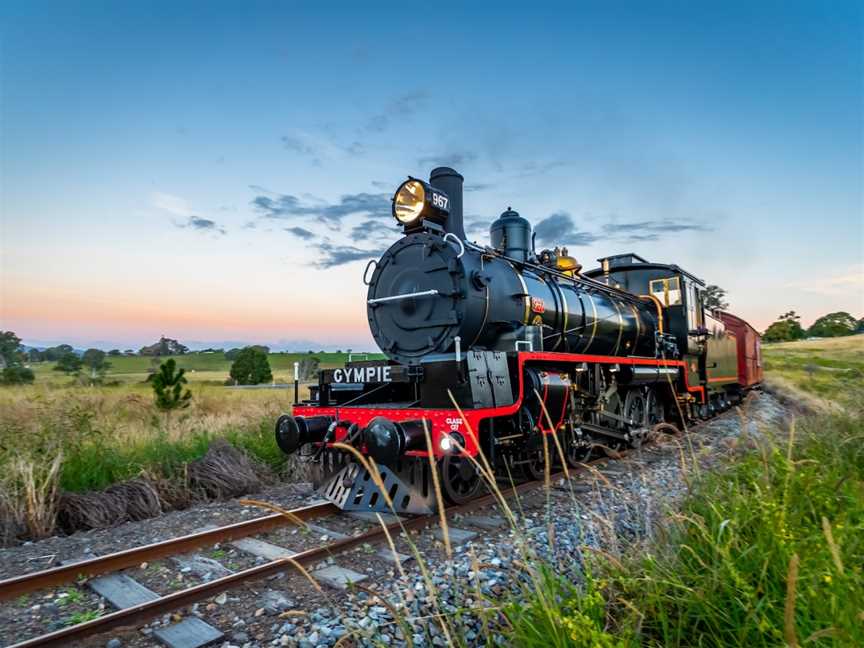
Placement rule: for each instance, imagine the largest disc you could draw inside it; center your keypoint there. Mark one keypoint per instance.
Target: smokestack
(450, 182)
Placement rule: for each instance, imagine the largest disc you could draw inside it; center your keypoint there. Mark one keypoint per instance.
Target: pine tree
(168, 388)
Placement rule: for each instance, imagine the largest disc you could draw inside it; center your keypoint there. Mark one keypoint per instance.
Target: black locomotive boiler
(491, 347)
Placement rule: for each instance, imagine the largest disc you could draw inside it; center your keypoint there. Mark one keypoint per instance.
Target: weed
(71, 597)
(82, 617)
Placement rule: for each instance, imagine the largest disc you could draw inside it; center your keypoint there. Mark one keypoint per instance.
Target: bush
(17, 375)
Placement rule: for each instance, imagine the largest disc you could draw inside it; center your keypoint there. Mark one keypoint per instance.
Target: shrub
(17, 375)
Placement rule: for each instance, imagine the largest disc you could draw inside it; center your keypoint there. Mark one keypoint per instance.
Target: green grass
(766, 551)
(722, 575)
(827, 371)
(93, 466)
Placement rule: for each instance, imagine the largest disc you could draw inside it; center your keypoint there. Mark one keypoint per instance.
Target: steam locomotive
(492, 347)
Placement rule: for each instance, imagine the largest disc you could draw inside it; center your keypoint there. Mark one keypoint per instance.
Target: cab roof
(632, 261)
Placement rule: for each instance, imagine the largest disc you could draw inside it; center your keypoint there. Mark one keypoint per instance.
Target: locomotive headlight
(415, 201)
(409, 201)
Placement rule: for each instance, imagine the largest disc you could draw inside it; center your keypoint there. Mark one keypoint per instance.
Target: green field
(210, 367)
(824, 374)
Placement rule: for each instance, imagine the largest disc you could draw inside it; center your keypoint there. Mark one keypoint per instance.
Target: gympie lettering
(362, 374)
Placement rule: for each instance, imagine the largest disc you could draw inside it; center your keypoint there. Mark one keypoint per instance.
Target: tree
(114, 353)
(11, 361)
(68, 363)
(164, 347)
(167, 386)
(10, 345)
(834, 325)
(94, 359)
(785, 329)
(308, 368)
(53, 353)
(251, 367)
(714, 298)
(231, 354)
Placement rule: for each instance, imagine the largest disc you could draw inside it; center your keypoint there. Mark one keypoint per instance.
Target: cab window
(668, 291)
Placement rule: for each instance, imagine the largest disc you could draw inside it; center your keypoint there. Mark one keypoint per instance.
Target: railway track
(139, 614)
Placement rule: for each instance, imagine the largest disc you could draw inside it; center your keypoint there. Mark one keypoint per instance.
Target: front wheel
(460, 479)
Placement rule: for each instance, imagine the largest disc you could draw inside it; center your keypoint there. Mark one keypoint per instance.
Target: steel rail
(138, 614)
(26, 583)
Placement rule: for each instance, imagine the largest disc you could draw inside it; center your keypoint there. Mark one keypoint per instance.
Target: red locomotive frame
(444, 421)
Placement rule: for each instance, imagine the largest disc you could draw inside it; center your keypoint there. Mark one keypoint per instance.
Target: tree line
(249, 365)
(788, 327)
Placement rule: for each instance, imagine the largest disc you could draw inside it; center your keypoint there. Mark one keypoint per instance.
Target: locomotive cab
(705, 343)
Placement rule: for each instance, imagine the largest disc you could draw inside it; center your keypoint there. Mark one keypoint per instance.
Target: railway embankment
(481, 587)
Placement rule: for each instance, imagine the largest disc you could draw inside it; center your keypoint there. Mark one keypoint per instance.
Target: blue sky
(209, 171)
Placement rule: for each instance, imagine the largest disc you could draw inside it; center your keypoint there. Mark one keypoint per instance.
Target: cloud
(849, 282)
(559, 229)
(538, 168)
(201, 225)
(174, 205)
(400, 107)
(299, 144)
(476, 226)
(650, 230)
(336, 255)
(373, 229)
(453, 159)
(177, 206)
(478, 186)
(319, 148)
(301, 232)
(286, 206)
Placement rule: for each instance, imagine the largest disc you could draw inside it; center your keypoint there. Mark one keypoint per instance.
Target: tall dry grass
(76, 439)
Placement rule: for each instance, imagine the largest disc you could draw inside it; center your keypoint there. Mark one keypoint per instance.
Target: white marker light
(446, 443)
